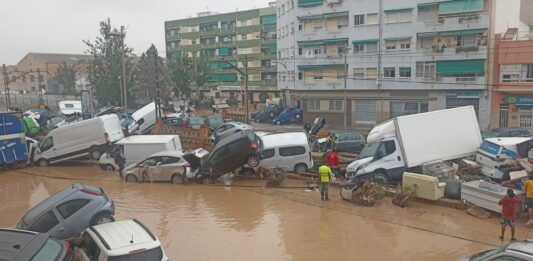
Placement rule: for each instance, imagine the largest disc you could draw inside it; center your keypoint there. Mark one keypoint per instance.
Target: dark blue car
(288, 115)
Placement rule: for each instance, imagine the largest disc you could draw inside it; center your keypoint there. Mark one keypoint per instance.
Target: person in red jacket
(509, 204)
(333, 161)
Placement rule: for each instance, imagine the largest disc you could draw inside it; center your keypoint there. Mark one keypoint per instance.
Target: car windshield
(489, 134)
(285, 110)
(50, 250)
(369, 150)
(22, 225)
(151, 254)
(485, 254)
(490, 148)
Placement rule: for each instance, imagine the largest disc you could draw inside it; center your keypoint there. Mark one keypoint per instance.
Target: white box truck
(88, 137)
(143, 119)
(408, 141)
(139, 147)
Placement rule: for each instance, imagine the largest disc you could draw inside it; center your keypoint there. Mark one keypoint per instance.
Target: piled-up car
(267, 114)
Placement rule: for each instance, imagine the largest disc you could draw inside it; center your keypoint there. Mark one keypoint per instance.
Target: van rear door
(112, 127)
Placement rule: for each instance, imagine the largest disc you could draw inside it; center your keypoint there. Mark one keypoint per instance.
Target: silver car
(161, 166)
(228, 129)
(70, 211)
(514, 251)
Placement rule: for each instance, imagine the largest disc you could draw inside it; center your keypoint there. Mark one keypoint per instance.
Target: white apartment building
(402, 56)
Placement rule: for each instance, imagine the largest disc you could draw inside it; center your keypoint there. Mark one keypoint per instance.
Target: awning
(318, 66)
(427, 5)
(271, 46)
(310, 17)
(398, 38)
(310, 43)
(460, 6)
(398, 10)
(268, 19)
(405, 69)
(463, 32)
(210, 23)
(461, 67)
(223, 77)
(426, 35)
(336, 14)
(336, 41)
(206, 37)
(367, 41)
(309, 3)
(223, 51)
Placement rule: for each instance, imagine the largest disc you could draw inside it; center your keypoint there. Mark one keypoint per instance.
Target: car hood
(352, 167)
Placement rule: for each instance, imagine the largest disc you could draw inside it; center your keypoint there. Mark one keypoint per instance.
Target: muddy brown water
(198, 222)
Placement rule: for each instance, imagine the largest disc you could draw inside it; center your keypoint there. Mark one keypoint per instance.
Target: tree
(151, 74)
(105, 65)
(179, 70)
(66, 76)
(201, 71)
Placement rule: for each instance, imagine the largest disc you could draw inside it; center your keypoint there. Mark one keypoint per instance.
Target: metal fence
(31, 101)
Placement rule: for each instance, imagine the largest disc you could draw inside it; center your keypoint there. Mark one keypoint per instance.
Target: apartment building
(512, 98)
(359, 62)
(228, 40)
(37, 71)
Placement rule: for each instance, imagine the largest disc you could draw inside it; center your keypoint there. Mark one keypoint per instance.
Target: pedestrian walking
(509, 204)
(325, 177)
(120, 160)
(333, 161)
(528, 188)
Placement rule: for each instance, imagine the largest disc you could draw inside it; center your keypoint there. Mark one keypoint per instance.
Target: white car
(120, 240)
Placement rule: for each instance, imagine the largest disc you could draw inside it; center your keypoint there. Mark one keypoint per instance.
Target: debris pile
(468, 170)
(276, 177)
(404, 195)
(368, 194)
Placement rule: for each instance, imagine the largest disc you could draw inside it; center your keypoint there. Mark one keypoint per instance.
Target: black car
(239, 149)
(349, 142)
(267, 114)
(505, 132)
(26, 245)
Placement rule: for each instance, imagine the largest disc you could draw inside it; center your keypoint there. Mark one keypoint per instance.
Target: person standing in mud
(120, 160)
(333, 161)
(509, 204)
(325, 177)
(528, 188)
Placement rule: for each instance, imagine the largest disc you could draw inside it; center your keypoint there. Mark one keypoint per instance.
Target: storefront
(463, 98)
(516, 111)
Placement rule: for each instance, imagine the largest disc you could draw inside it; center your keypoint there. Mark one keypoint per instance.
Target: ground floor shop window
(365, 112)
(335, 105)
(407, 108)
(313, 105)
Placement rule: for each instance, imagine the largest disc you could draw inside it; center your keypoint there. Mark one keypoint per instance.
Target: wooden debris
(404, 195)
(368, 194)
(276, 177)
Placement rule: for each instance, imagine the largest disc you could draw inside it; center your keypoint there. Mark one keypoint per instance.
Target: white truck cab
(495, 154)
(119, 240)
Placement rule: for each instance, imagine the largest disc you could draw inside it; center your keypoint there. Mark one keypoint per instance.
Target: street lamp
(245, 73)
(124, 93)
(346, 49)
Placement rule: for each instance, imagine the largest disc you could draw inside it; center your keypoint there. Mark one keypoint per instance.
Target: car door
(168, 167)
(388, 151)
(74, 214)
(50, 223)
(268, 158)
(150, 168)
(342, 142)
(230, 129)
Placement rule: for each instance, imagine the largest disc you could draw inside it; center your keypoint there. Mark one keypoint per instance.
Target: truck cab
(495, 154)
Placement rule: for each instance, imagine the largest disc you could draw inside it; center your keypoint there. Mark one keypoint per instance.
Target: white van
(289, 151)
(143, 119)
(495, 154)
(77, 139)
(69, 107)
(139, 147)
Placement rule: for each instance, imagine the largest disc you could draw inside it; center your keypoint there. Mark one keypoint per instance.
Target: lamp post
(245, 73)
(124, 93)
(345, 105)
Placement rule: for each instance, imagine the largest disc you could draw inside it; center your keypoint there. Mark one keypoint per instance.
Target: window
(70, 207)
(428, 14)
(359, 73)
(398, 16)
(171, 32)
(389, 72)
(405, 72)
(267, 154)
(407, 108)
(291, 151)
(529, 72)
(169, 160)
(372, 19)
(342, 22)
(300, 75)
(391, 17)
(335, 105)
(426, 70)
(48, 143)
(90, 247)
(516, 72)
(365, 112)
(371, 47)
(426, 43)
(300, 51)
(466, 40)
(371, 73)
(358, 48)
(405, 44)
(405, 16)
(317, 24)
(317, 76)
(359, 19)
(317, 51)
(45, 222)
(292, 27)
(390, 45)
(32, 78)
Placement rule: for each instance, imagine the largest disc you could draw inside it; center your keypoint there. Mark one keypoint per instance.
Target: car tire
(178, 179)
(297, 116)
(102, 218)
(131, 178)
(43, 163)
(300, 168)
(252, 161)
(108, 167)
(278, 123)
(94, 153)
(381, 177)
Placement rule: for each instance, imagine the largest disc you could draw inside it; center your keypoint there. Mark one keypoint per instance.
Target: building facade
(229, 40)
(36, 70)
(512, 98)
(359, 63)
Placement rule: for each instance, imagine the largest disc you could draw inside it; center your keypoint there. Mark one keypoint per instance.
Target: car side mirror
(141, 165)
(158, 164)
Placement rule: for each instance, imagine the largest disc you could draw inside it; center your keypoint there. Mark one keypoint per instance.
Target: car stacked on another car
(22, 245)
(267, 114)
(288, 115)
(228, 129)
(349, 142)
(68, 212)
(241, 148)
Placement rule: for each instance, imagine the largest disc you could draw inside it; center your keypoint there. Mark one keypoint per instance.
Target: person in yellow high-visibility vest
(324, 173)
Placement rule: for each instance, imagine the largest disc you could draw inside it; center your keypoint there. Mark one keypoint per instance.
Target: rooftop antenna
(131, 241)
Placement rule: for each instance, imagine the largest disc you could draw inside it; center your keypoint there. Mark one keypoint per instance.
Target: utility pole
(157, 100)
(380, 39)
(124, 92)
(41, 100)
(246, 88)
(345, 104)
(6, 83)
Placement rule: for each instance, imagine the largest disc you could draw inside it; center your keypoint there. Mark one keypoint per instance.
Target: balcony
(466, 49)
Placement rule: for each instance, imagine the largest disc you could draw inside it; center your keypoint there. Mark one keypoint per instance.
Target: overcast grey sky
(59, 26)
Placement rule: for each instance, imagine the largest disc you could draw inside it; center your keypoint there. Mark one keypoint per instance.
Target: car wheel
(43, 163)
(103, 218)
(94, 154)
(109, 167)
(178, 179)
(297, 116)
(278, 122)
(300, 168)
(381, 177)
(252, 161)
(131, 178)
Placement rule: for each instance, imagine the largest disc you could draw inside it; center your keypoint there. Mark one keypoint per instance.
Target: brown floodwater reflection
(216, 223)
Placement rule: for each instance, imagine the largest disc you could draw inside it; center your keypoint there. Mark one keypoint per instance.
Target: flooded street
(215, 223)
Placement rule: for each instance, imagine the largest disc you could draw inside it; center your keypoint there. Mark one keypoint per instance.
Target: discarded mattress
(485, 194)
